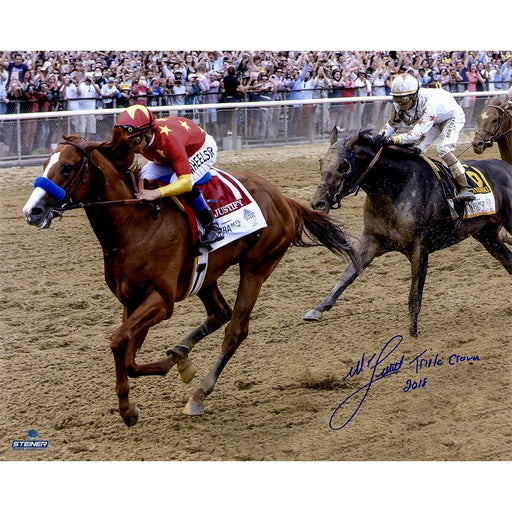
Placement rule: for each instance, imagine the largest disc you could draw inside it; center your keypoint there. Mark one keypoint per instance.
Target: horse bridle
(494, 137)
(81, 173)
(329, 187)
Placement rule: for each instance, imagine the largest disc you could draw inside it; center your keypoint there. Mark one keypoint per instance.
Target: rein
(119, 202)
(369, 168)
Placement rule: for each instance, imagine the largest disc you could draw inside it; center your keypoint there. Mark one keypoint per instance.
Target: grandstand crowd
(42, 81)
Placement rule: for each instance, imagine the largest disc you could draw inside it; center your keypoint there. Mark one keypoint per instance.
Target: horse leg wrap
(208, 383)
(195, 405)
(186, 369)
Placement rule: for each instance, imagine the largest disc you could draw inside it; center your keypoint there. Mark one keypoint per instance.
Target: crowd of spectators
(73, 80)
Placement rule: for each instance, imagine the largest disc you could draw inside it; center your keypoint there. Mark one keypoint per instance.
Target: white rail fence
(28, 139)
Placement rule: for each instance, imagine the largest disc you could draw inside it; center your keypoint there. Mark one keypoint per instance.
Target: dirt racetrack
(275, 398)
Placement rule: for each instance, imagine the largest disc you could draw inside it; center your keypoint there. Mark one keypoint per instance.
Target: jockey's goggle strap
(133, 132)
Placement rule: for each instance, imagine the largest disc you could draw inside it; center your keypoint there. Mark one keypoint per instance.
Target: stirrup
(211, 235)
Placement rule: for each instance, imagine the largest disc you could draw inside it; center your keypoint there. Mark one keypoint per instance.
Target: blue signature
(383, 366)
(375, 363)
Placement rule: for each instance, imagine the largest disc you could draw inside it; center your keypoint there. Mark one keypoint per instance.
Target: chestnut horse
(405, 210)
(148, 258)
(494, 124)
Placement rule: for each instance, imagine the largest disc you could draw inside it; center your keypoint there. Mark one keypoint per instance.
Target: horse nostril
(479, 146)
(320, 205)
(36, 212)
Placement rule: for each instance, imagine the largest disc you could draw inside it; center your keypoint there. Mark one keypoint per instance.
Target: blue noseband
(50, 187)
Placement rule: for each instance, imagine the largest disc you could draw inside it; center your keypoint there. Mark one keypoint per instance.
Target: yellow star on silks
(185, 125)
(160, 152)
(201, 129)
(164, 129)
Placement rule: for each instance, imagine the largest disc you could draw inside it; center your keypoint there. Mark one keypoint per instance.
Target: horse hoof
(187, 370)
(313, 316)
(132, 420)
(193, 408)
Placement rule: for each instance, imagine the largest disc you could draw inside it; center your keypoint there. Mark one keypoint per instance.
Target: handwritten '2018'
(381, 367)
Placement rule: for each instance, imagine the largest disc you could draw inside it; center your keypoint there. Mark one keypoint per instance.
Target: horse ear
(493, 100)
(120, 148)
(334, 134)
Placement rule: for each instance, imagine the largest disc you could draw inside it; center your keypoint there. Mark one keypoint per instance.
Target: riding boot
(212, 231)
(464, 190)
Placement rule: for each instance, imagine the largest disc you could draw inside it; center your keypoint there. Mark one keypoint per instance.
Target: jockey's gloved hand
(382, 140)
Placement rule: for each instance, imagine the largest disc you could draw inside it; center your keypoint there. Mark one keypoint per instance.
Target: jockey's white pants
(447, 134)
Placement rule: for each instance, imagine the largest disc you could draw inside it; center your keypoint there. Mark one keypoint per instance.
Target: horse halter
(331, 189)
(494, 137)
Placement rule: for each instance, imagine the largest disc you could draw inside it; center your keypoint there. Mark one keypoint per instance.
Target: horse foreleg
(368, 248)
(124, 344)
(419, 266)
(218, 312)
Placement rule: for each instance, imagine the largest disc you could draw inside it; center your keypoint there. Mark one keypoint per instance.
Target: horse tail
(320, 229)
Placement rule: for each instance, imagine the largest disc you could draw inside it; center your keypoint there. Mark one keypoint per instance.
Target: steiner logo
(31, 444)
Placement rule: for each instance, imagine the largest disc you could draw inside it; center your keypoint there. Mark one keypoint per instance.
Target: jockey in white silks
(435, 115)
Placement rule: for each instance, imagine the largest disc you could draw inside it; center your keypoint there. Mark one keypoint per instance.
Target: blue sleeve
(304, 71)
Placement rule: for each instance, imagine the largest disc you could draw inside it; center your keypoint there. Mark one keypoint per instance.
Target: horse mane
(119, 150)
(365, 138)
(497, 101)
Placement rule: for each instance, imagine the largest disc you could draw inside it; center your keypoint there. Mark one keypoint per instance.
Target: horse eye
(66, 169)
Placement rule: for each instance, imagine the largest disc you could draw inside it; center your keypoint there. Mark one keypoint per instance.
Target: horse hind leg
(505, 236)
(489, 237)
(236, 331)
(219, 312)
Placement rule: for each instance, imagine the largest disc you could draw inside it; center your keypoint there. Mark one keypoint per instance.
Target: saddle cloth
(483, 204)
(236, 212)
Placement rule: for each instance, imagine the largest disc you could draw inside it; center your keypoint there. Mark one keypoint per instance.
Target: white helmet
(404, 85)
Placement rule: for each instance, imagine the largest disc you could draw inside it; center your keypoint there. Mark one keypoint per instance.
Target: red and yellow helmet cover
(136, 119)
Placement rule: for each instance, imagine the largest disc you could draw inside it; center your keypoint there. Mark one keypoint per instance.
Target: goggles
(402, 100)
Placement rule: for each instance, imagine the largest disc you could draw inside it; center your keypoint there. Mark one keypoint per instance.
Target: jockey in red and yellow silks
(180, 153)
